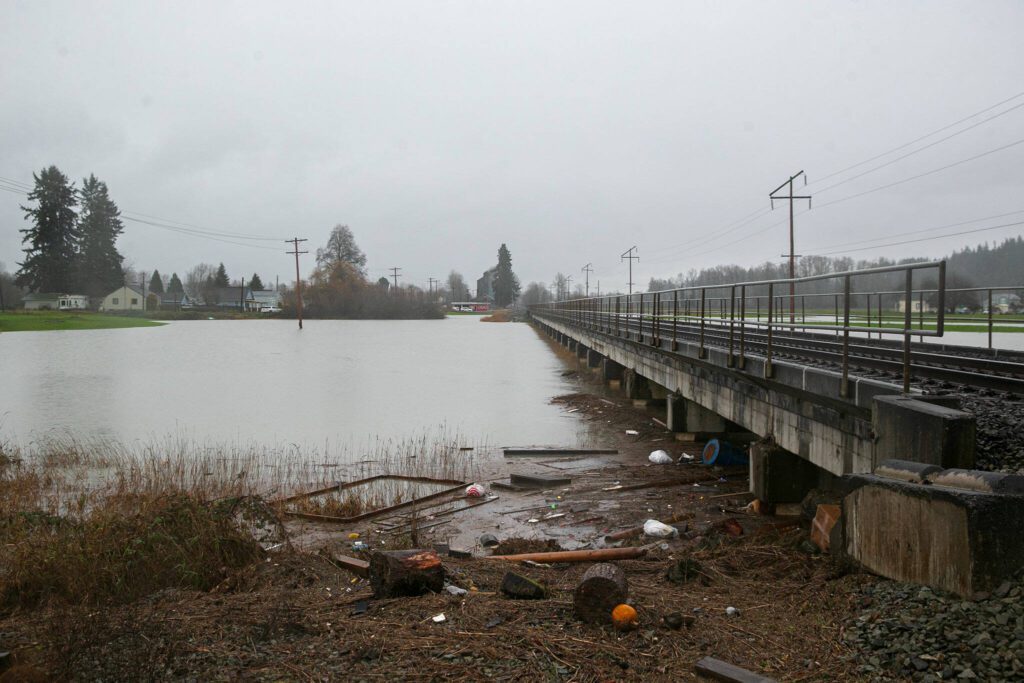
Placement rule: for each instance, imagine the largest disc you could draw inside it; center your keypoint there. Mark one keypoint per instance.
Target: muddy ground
(297, 616)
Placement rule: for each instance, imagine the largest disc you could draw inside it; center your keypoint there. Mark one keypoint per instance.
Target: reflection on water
(267, 382)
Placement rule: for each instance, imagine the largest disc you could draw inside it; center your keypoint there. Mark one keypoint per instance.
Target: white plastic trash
(475, 490)
(660, 458)
(632, 432)
(653, 527)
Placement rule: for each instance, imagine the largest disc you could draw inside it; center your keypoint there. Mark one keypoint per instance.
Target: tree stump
(405, 572)
(602, 587)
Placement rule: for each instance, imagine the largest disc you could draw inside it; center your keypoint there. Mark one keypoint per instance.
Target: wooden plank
(576, 555)
(539, 481)
(543, 452)
(357, 567)
(717, 670)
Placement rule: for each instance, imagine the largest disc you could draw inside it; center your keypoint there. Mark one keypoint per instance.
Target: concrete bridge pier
(684, 415)
(636, 386)
(611, 372)
(594, 358)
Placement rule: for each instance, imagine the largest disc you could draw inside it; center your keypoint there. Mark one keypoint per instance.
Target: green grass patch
(39, 321)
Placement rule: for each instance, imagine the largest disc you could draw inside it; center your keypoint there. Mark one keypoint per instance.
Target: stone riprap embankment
(912, 632)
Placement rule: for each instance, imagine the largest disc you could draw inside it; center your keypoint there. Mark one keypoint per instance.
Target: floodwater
(267, 383)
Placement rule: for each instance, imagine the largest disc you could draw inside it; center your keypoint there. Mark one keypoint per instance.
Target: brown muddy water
(267, 383)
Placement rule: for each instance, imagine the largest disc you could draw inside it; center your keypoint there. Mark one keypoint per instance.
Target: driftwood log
(629, 553)
(602, 587)
(405, 572)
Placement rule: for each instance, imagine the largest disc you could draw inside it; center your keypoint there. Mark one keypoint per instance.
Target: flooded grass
(95, 522)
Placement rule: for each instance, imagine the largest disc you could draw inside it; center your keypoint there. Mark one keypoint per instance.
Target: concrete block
(908, 428)
(957, 540)
(986, 482)
(904, 470)
(778, 476)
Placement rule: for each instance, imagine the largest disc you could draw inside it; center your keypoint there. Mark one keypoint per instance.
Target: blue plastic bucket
(723, 453)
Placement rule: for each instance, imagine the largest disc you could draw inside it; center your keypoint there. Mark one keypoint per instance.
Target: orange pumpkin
(624, 617)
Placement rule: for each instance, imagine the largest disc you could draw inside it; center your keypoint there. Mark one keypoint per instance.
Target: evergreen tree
(255, 283)
(52, 250)
(175, 286)
(99, 264)
(506, 284)
(156, 283)
(221, 278)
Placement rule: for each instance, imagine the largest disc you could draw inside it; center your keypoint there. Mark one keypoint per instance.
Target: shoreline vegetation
(105, 523)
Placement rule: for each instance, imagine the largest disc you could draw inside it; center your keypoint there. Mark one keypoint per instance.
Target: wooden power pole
(298, 278)
(792, 249)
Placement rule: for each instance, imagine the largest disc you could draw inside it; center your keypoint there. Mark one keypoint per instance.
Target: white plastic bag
(653, 527)
(660, 458)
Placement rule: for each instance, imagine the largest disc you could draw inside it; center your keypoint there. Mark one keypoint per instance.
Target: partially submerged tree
(52, 240)
(100, 265)
(341, 247)
(506, 284)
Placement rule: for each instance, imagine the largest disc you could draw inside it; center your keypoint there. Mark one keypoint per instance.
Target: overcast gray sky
(569, 130)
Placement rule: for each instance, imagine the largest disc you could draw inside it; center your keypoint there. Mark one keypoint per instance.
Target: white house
(915, 306)
(56, 302)
(124, 298)
(263, 301)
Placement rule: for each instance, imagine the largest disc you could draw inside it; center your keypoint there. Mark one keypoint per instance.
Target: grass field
(39, 321)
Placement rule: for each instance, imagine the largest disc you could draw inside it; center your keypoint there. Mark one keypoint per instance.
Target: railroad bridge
(834, 389)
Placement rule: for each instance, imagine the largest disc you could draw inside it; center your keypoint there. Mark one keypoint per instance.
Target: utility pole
(298, 279)
(433, 281)
(628, 256)
(395, 274)
(587, 270)
(568, 286)
(792, 249)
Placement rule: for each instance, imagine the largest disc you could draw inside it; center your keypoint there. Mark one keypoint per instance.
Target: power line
(792, 253)
(920, 149)
(925, 239)
(395, 274)
(923, 137)
(917, 232)
(587, 270)
(922, 175)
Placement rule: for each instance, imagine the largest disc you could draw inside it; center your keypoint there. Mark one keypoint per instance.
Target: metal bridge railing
(745, 314)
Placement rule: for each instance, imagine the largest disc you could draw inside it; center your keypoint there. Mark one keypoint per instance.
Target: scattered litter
(732, 612)
(519, 587)
(353, 536)
(686, 457)
(495, 621)
(660, 458)
(632, 432)
(653, 527)
(360, 545)
(455, 590)
(360, 607)
(532, 520)
(475, 491)
(439, 618)
(488, 541)
(624, 617)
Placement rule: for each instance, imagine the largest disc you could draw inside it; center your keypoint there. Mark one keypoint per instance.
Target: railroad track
(974, 368)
